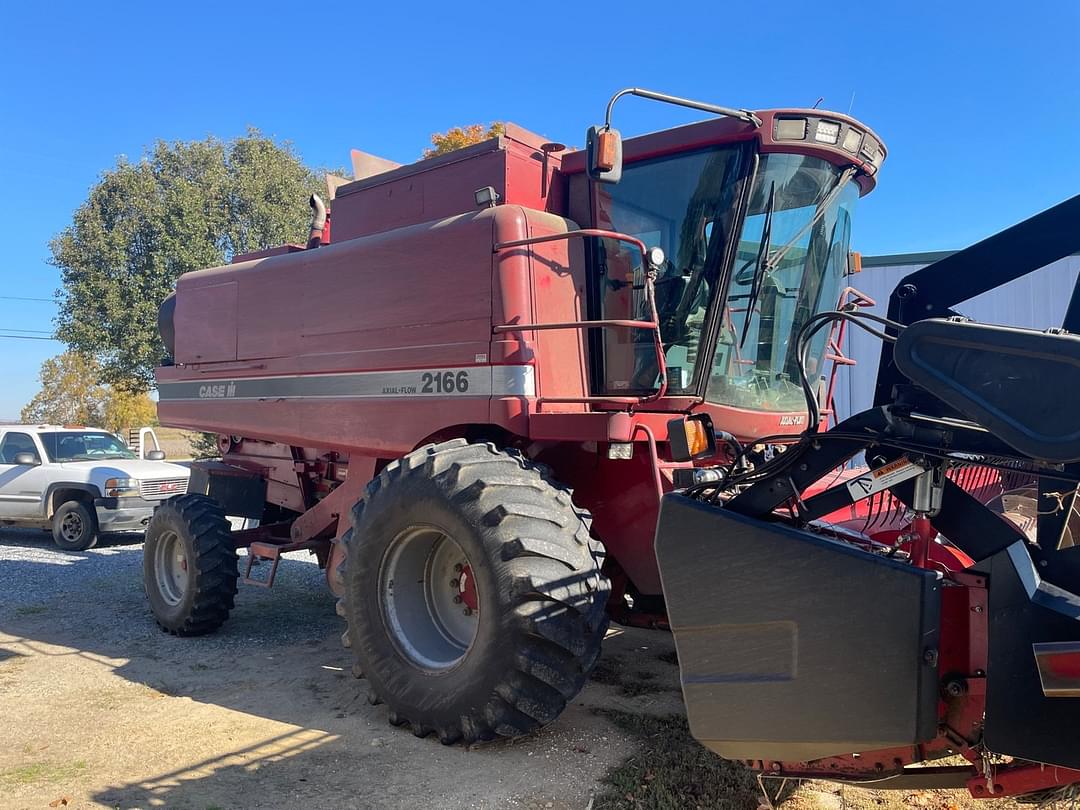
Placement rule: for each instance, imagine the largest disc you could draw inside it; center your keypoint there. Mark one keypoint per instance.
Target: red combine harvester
(471, 405)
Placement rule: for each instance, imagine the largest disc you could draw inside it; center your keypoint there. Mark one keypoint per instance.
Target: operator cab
(753, 214)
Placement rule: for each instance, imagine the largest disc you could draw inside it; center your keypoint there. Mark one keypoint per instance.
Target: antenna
(816, 103)
(852, 104)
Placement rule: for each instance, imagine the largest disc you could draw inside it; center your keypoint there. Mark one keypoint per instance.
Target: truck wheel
(189, 565)
(474, 601)
(74, 526)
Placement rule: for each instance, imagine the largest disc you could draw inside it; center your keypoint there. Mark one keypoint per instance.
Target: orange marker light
(854, 262)
(697, 440)
(691, 438)
(606, 147)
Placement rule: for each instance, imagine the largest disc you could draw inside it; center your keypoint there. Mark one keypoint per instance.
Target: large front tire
(189, 565)
(473, 595)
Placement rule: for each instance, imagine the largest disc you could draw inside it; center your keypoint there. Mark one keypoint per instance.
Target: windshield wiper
(772, 260)
(823, 207)
(761, 262)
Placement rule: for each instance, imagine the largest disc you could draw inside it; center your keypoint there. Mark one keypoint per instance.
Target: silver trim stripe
(466, 381)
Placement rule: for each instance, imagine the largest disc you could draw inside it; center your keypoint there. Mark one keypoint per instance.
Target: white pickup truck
(82, 481)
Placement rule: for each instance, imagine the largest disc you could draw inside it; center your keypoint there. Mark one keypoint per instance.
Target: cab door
(21, 485)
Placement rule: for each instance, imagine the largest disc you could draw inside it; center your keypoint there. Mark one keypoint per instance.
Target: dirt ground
(100, 709)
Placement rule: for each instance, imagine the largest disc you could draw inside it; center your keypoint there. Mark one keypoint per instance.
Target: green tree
(458, 137)
(70, 393)
(183, 206)
(205, 445)
(125, 409)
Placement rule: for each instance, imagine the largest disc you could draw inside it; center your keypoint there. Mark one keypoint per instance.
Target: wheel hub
(429, 598)
(71, 527)
(171, 568)
(466, 587)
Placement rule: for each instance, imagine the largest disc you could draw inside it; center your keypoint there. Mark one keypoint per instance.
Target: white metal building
(1038, 300)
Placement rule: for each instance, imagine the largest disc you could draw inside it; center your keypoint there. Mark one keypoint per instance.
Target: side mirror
(603, 154)
(26, 459)
(155, 455)
(692, 437)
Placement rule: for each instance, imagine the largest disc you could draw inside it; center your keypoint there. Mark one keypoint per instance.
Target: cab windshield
(790, 259)
(789, 265)
(83, 446)
(685, 205)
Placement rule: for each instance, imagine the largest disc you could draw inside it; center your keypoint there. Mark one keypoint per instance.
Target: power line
(20, 298)
(27, 331)
(26, 337)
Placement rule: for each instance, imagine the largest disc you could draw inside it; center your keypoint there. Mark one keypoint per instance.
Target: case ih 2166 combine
(472, 404)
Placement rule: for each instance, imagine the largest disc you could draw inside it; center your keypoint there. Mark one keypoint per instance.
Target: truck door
(21, 485)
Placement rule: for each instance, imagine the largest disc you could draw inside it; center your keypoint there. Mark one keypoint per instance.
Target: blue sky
(978, 102)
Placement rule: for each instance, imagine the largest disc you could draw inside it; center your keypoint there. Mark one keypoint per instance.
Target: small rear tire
(189, 565)
(74, 526)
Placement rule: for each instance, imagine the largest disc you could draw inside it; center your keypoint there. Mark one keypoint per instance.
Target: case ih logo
(217, 391)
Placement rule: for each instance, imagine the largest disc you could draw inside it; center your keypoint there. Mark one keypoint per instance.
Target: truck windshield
(790, 265)
(83, 446)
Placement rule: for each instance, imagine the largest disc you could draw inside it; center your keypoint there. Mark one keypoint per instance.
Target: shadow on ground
(264, 713)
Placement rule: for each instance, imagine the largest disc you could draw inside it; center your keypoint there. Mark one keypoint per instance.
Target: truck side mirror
(691, 438)
(26, 459)
(155, 455)
(603, 154)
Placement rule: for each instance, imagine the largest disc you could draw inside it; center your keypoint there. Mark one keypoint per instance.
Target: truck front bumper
(123, 514)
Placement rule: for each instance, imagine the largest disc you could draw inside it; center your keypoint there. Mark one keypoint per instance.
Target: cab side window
(14, 443)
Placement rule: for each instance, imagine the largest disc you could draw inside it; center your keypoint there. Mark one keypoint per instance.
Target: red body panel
(328, 348)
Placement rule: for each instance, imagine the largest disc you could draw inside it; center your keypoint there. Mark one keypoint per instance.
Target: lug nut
(457, 600)
(467, 611)
(454, 583)
(459, 568)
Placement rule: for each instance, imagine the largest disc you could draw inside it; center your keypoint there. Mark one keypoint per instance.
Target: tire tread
(557, 592)
(215, 563)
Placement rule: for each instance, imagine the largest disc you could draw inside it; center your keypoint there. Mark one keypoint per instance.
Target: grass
(635, 684)
(672, 771)
(175, 442)
(42, 773)
(31, 610)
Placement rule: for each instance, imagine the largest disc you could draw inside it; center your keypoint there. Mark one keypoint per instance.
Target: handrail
(650, 298)
(834, 346)
(581, 232)
(529, 327)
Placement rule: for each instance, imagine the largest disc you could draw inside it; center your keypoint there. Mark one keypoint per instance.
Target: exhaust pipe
(318, 221)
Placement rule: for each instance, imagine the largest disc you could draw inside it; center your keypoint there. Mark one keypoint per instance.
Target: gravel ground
(99, 707)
